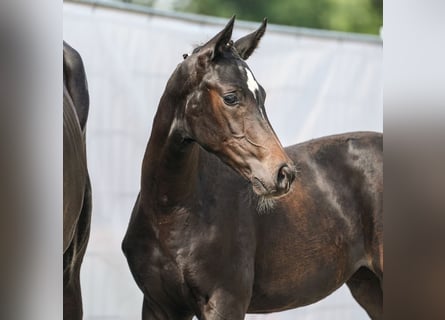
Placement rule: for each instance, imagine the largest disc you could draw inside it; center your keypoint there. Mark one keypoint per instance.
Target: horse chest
(208, 247)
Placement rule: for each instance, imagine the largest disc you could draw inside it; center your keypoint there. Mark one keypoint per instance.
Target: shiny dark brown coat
(202, 242)
(76, 183)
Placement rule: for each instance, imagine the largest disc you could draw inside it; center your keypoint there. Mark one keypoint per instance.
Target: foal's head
(224, 112)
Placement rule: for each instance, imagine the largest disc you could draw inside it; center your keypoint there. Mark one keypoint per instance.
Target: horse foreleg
(223, 306)
(366, 288)
(211, 312)
(153, 311)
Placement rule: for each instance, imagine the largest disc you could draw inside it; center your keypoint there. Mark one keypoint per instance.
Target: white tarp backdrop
(316, 85)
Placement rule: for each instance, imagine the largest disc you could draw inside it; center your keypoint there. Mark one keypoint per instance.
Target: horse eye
(231, 99)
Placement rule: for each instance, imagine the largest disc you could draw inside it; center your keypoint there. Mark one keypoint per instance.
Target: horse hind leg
(366, 289)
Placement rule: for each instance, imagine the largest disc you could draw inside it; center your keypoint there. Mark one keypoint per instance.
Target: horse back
(347, 168)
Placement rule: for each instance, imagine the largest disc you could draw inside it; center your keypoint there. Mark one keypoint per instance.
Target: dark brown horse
(76, 183)
(196, 243)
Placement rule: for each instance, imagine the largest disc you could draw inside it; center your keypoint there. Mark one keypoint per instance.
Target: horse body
(319, 234)
(196, 243)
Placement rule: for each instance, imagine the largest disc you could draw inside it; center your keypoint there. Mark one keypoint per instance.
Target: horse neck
(170, 165)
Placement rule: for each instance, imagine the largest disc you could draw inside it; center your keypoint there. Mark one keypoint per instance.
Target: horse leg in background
(72, 297)
(366, 288)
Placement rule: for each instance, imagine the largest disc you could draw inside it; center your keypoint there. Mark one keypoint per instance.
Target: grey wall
(316, 86)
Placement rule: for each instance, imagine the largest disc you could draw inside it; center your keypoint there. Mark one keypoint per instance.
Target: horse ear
(247, 44)
(216, 44)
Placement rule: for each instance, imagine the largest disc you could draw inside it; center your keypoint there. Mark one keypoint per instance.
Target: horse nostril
(285, 177)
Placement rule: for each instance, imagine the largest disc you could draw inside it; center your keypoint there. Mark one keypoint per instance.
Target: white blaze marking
(251, 82)
(253, 87)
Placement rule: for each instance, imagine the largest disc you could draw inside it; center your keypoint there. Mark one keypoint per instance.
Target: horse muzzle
(277, 184)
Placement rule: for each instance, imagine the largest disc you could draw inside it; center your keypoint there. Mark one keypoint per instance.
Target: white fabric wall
(316, 86)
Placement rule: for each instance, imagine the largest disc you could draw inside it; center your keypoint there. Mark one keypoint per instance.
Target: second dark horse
(76, 180)
(196, 244)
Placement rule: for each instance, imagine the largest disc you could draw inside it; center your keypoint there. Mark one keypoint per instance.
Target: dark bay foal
(196, 244)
